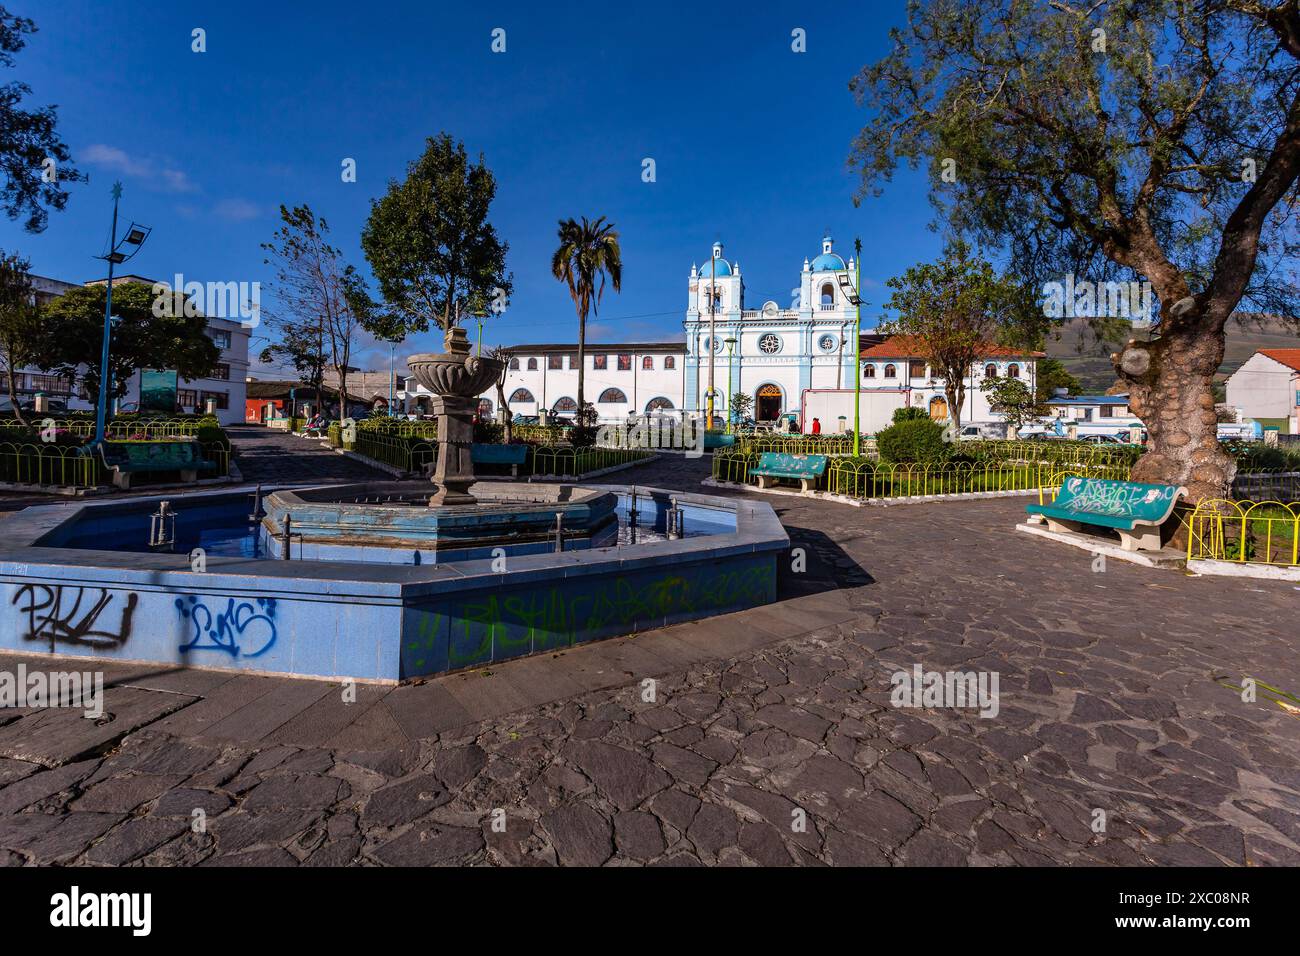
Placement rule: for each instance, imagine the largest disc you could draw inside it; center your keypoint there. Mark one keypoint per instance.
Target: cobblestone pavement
(1109, 706)
(266, 454)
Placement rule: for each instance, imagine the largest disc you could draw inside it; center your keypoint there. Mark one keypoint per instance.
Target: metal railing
(30, 463)
(575, 462)
(406, 453)
(118, 429)
(1246, 532)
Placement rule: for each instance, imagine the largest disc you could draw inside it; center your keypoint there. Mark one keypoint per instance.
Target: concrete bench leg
(1057, 525)
(805, 485)
(514, 471)
(763, 481)
(122, 479)
(189, 475)
(1146, 538)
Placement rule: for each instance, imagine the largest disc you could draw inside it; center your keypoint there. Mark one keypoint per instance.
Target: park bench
(512, 455)
(806, 468)
(1135, 510)
(143, 457)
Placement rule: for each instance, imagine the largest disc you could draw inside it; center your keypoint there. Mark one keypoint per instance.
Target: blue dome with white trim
(724, 268)
(828, 261)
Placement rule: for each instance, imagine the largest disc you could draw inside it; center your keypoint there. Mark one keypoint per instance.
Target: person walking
(817, 426)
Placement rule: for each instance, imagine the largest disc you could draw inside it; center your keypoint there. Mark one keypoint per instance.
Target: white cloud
(236, 210)
(156, 173)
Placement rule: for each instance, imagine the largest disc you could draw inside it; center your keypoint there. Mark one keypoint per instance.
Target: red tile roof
(905, 347)
(1288, 357)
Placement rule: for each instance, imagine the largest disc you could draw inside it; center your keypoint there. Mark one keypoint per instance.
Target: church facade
(776, 352)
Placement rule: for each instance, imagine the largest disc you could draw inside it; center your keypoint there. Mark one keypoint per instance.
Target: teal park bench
(1135, 510)
(806, 468)
(143, 457)
(512, 455)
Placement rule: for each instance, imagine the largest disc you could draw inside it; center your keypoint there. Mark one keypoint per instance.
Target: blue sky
(750, 139)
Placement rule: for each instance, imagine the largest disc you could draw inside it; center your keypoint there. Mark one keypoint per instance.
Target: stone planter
(456, 378)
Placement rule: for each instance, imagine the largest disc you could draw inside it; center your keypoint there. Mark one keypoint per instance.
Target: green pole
(857, 347)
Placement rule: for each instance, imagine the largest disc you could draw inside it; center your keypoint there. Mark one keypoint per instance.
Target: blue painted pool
(225, 528)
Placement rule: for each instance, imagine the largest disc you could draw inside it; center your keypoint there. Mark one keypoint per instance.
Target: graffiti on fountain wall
(75, 616)
(484, 627)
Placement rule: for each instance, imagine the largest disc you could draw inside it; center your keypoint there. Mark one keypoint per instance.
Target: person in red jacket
(817, 426)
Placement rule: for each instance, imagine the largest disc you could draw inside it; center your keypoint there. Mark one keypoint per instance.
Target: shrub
(915, 440)
(489, 433)
(912, 413)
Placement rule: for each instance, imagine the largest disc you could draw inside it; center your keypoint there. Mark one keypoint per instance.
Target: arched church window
(514, 365)
(868, 371)
(1013, 370)
(670, 361)
(658, 404)
(565, 404)
(891, 372)
(521, 395)
(990, 371)
(532, 365)
(828, 295)
(612, 396)
(648, 363)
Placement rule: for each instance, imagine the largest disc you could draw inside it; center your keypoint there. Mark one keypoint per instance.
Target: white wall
(1263, 388)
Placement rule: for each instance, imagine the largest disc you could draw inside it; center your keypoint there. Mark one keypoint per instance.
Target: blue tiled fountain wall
(370, 622)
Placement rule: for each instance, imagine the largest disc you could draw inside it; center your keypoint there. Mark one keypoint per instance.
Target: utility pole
(713, 330)
(857, 349)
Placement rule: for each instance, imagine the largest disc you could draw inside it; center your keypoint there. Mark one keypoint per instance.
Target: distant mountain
(1089, 361)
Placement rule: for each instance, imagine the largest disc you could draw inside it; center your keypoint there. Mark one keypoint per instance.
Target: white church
(795, 360)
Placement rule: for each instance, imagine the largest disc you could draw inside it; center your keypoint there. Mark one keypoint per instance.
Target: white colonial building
(621, 379)
(790, 361)
(778, 353)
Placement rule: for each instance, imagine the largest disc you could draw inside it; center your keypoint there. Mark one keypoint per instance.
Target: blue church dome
(724, 268)
(828, 262)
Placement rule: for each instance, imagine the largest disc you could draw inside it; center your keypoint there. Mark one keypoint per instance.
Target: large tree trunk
(1169, 383)
(12, 382)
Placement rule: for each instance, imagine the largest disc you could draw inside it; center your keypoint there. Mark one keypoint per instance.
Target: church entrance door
(767, 403)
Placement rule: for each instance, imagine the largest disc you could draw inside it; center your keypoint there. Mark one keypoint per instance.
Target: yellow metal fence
(1247, 532)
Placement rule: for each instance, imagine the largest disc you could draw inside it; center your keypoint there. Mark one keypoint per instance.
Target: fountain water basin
(393, 522)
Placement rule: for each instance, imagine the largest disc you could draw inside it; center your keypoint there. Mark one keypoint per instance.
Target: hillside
(1089, 361)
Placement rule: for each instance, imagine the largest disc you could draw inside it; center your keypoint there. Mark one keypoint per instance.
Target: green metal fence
(574, 462)
(407, 453)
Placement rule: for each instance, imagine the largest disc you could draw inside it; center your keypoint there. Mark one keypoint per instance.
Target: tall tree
(148, 332)
(1150, 139)
(20, 326)
(951, 310)
(1049, 375)
(430, 245)
(35, 162)
(588, 254)
(315, 296)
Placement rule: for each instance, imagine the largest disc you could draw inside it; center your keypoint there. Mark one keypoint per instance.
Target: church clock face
(769, 343)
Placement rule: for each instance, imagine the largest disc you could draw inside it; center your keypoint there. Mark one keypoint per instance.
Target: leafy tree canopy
(430, 246)
(73, 325)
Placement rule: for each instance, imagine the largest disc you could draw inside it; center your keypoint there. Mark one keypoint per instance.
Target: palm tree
(588, 253)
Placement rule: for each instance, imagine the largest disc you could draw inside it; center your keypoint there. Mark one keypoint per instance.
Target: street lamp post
(853, 289)
(713, 333)
(135, 236)
(392, 376)
(731, 412)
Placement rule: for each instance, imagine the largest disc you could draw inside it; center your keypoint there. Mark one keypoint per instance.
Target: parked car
(983, 431)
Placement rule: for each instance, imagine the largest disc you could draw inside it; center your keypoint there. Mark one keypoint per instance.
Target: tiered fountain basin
(80, 580)
(392, 523)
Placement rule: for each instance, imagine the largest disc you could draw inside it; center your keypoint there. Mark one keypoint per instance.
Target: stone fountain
(456, 379)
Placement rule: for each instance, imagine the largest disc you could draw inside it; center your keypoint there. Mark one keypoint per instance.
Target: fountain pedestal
(453, 472)
(456, 379)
